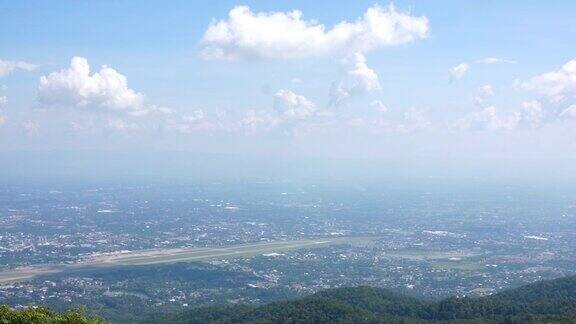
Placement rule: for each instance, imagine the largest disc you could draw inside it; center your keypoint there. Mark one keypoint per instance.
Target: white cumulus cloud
(7, 67)
(257, 120)
(556, 85)
(286, 35)
(359, 79)
(291, 105)
(76, 87)
(532, 112)
(363, 76)
(459, 71)
(484, 92)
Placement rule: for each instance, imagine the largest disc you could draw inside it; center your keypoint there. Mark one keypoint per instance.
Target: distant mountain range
(543, 302)
(551, 301)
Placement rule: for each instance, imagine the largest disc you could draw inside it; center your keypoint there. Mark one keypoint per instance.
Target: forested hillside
(42, 315)
(543, 302)
(550, 301)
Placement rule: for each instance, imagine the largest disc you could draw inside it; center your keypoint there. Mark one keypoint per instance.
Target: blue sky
(374, 93)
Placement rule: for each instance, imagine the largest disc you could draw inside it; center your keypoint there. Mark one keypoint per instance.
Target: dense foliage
(549, 302)
(544, 302)
(42, 315)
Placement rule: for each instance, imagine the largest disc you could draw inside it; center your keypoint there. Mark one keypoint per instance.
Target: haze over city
(287, 161)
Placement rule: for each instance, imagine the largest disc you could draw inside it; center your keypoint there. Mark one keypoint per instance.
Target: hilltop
(547, 301)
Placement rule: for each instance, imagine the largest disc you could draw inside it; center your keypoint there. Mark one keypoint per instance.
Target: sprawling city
(126, 251)
(287, 162)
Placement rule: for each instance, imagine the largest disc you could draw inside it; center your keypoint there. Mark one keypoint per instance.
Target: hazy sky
(300, 78)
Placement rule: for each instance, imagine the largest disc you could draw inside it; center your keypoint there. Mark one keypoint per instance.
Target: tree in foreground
(42, 315)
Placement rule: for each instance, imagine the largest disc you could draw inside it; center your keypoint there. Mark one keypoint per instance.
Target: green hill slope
(44, 316)
(544, 302)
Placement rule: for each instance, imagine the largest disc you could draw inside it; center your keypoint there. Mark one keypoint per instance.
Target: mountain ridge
(552, 301)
